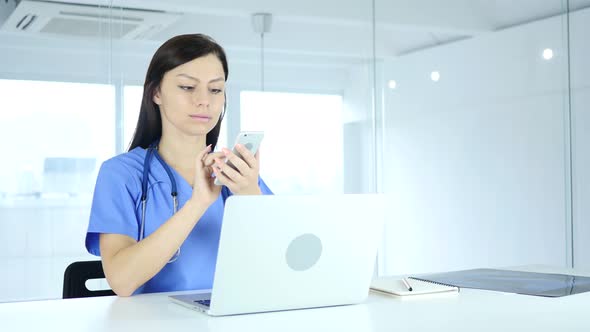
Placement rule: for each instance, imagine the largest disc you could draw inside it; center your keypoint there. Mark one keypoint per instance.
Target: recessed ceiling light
(547, 54)
(435, 76)
(391, 84)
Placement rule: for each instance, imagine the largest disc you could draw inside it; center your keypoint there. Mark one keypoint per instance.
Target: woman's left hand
(244, 180)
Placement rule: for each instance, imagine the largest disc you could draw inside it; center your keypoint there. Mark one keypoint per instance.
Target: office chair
(75, 278)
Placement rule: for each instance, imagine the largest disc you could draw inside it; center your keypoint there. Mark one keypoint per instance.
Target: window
(302, 150)
(49, 125)
(55, 136)
(132, 95)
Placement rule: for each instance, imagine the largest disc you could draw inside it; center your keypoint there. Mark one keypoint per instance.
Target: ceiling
(330, 25)
(342, 30)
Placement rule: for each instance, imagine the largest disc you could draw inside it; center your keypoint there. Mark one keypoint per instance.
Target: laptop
(283, 252)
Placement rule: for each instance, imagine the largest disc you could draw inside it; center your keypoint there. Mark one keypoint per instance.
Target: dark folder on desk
(529, 283)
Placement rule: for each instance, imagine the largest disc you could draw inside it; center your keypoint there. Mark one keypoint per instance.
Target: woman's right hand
(204, 190)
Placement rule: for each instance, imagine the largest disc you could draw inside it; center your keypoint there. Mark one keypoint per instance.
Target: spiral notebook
(395, 286)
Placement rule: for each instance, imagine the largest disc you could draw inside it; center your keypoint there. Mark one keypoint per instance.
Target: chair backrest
(75, 278)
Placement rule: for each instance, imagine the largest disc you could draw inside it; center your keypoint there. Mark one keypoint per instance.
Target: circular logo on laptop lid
(303, 252)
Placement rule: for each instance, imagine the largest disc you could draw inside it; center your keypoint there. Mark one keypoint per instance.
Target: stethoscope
(152, 150)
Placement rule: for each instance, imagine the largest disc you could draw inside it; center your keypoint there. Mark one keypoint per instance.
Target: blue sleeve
(263, 187)
(114, 204)
(225, 192)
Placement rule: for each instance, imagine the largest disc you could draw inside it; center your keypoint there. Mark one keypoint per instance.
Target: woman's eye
(186, 87)
(216, 91)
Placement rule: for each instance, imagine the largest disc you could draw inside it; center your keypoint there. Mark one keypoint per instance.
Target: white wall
(475, 164)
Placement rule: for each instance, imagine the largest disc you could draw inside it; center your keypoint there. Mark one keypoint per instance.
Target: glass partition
(57, 125)
(474, 100)
(72, 82)
(579, 53)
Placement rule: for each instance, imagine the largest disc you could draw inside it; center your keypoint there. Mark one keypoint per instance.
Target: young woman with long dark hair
(156, 212)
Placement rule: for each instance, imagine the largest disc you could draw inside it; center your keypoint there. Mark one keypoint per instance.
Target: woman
(149, 245)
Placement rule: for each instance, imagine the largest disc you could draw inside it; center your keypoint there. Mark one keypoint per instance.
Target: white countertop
(469, 310)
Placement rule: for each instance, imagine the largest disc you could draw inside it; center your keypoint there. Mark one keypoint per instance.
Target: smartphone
(250, 140)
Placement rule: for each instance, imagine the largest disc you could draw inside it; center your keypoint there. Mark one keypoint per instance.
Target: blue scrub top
(116, 208)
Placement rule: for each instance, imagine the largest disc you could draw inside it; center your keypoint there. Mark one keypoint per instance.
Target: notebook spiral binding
(433, 282)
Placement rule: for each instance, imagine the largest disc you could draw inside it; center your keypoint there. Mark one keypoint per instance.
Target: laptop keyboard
(206, 303)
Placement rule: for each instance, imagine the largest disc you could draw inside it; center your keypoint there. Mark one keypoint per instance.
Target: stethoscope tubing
(152, 151)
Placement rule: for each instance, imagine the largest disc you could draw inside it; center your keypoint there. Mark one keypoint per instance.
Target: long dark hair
(173, 53)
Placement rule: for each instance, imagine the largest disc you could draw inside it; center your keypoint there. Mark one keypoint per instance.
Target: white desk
(470, 310)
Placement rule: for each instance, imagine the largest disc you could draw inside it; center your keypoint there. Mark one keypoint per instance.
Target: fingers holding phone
(247, 156)
(240, 178)
(239, 171)
(241, 159)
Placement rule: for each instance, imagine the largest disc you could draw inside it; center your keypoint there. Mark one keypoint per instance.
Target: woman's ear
(157, 99)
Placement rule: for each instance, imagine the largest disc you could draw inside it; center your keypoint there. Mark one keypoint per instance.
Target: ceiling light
(391, 84)
(547, 54)
(435, 76)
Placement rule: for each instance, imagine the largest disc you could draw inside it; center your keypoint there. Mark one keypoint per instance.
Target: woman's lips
(200, 118)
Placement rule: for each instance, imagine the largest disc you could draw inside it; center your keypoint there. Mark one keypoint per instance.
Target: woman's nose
(201, 96)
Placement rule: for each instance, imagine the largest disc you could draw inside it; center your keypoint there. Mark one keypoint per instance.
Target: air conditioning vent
(59, 18)
(26, 21)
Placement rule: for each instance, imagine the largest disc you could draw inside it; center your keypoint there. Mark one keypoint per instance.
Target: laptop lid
(280, 252)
